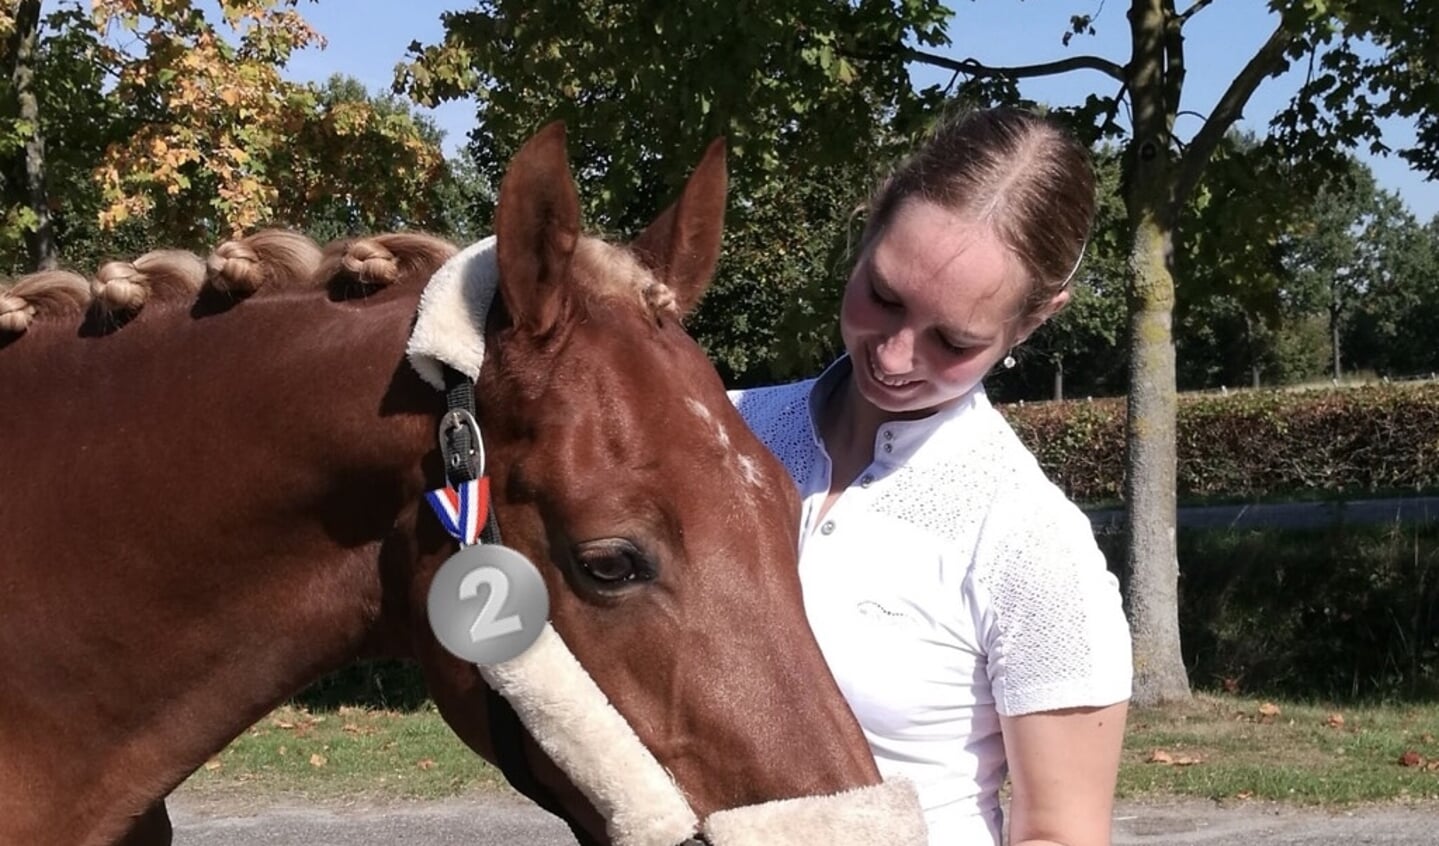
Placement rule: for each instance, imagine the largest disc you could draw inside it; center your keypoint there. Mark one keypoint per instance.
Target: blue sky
(368, 37)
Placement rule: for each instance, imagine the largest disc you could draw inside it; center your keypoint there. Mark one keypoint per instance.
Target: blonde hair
(48, 294)
(355, 267)
(125, 286)
(269, 257)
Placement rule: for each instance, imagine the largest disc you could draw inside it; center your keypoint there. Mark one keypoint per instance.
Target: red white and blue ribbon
(462, 511)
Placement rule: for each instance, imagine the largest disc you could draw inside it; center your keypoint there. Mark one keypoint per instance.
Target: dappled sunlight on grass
(350, 752)
(1239, 747)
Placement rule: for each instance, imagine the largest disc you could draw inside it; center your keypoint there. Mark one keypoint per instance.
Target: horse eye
(614, 562)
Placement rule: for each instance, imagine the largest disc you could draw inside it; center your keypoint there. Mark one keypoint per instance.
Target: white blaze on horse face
(749, 469)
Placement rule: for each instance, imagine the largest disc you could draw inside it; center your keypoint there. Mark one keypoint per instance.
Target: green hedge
(1344, 613)
(1248, 444)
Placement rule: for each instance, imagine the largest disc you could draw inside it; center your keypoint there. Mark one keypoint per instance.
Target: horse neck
(228, 485)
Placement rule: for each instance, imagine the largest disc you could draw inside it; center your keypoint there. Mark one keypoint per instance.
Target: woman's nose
(895, 354)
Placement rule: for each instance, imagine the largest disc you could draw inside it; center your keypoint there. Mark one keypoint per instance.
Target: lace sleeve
(1051, 621)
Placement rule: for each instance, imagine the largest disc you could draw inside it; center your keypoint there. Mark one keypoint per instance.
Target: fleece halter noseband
(545, 692)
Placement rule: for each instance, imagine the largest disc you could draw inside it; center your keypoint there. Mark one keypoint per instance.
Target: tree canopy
(180, 129)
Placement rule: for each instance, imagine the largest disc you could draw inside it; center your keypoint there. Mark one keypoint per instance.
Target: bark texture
(26, 174)
(1152, 561)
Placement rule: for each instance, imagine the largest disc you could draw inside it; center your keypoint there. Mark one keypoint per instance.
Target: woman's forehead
(955, 267)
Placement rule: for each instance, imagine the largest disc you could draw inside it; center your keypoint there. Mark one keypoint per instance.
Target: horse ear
(537, 225)
(683, 243)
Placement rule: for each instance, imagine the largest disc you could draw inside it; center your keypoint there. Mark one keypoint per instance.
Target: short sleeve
(1049, 612)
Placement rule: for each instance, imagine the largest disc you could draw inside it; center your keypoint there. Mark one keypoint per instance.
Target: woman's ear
(1037, 319)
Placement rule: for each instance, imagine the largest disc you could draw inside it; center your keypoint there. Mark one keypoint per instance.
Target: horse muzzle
(569, 716)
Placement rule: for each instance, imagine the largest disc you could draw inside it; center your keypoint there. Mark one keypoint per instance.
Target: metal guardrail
(1289, 515)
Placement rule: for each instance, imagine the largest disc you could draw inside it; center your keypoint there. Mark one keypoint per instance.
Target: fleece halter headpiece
(566, 713)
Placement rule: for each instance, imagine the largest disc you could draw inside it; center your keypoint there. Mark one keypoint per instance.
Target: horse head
(664, 530)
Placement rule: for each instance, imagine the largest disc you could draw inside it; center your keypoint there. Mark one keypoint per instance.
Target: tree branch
(1229, 109)
(975, 69)
(1173, 65)
(1193, 10)
(1110, 118)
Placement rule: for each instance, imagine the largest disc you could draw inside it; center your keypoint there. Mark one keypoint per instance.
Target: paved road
(1291, 515)
(503, 820)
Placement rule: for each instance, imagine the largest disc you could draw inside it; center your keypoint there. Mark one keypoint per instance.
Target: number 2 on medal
(485, 625)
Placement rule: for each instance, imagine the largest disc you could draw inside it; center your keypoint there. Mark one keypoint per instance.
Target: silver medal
(487, 604)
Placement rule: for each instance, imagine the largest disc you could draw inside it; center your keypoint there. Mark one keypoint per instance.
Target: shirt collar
(898, 441)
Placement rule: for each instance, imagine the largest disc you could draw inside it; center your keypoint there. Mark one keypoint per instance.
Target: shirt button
(888, 435)
(865, 480)
(889, 447)
(827, 528)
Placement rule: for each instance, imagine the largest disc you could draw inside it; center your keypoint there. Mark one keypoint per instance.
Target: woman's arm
(1063, 765)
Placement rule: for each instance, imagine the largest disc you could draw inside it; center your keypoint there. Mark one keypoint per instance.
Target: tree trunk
(27, 172)
(1334, 341)
(1058, 378)
(1152, 592)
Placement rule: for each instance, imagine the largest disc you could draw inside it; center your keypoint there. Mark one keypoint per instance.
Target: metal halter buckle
(459, 452)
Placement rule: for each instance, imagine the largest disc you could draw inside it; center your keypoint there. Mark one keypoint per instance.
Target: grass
(1309, 754)
(1302, 755)
(347, 753)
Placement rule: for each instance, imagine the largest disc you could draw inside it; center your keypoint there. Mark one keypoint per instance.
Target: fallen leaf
(1427, 739)
(1432, 766)
(351, 728)
(1268, 709)
(283, 751)
(283, 724)
(317, 760)
(1335, 721)
(426, 764)
(1244, 794)
(1159, 756)
(213, 764)
(1411, 759)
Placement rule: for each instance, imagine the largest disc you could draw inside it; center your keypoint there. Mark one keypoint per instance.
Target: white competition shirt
(950, 583)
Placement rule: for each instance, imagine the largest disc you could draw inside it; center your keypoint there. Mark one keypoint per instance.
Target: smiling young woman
(957, 595)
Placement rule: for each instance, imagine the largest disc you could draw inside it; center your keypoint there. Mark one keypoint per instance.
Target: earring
(1009, 361)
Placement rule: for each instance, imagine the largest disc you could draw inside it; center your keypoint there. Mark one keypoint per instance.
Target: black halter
(460, 449)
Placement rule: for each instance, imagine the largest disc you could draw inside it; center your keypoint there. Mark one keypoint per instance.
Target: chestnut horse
(210, 502)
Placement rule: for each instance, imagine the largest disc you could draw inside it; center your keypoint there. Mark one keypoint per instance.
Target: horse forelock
(611, 272)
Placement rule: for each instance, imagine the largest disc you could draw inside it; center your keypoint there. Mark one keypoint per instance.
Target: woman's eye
(957, 349)
(879, 300)
(614, 562)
